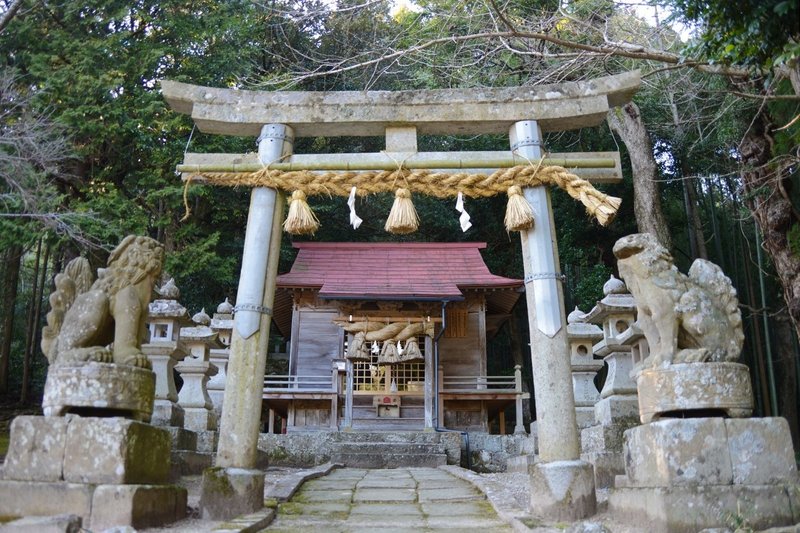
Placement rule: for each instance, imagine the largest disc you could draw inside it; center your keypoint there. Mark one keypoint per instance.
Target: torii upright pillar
(234, 486)
(562, 486)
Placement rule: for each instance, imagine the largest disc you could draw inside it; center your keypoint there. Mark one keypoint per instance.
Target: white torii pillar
(562, 486)
(234, 487)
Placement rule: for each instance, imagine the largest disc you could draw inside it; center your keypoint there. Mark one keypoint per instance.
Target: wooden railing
(482, 384)
(281, 383)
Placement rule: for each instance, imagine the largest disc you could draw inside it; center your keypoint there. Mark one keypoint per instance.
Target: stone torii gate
(562, 486)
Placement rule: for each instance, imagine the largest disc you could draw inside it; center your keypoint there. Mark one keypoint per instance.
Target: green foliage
(755, 33)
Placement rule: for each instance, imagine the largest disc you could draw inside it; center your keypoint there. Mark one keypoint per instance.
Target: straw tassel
(301, 220)
(412, 352)
(403, 217)
(357, 350)
(388, 354)
(519, 215)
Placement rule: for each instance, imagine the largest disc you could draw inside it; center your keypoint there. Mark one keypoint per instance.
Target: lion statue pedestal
(93, 455)
(100, 389)
(696, 460)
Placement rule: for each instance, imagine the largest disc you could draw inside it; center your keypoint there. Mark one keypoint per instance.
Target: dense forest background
(710, 145)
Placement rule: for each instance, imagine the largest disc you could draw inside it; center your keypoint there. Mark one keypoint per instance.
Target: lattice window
(367, 375)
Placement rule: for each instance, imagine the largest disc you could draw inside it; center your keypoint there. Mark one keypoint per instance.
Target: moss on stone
(216, 482)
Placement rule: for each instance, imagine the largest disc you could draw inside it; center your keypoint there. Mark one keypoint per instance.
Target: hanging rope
(423, 181)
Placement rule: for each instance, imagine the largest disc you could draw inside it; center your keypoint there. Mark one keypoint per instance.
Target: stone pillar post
(233, 487)
(582, 337)
(559, 449)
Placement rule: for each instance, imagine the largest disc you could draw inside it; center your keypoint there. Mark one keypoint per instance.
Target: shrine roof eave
(557, 107)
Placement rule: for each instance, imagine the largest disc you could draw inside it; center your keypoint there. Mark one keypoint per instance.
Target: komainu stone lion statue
(685, 319)
(103, 321)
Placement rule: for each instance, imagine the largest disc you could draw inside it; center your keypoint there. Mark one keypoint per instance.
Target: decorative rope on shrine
(424, 181)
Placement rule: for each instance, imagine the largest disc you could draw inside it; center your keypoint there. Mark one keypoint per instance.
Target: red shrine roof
(392, 271)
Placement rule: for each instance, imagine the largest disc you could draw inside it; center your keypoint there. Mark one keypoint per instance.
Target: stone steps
(388, 454)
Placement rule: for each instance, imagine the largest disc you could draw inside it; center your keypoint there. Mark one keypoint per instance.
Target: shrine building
(391, 336)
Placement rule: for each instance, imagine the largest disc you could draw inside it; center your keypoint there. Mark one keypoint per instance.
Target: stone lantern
(581, 337)
(222, 325)
(618, 407)
(195, 370)
(165, 319)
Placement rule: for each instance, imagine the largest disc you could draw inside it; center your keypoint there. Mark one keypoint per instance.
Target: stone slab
(38, 498)
(761, 451)
(453, 493)
(64, 523)
(563, 490)
(230, 492)
(116, 450)
(138, 506)
(36, 448)
(688, 509)
(405, 483)
(670, 452)
(384, 495)
(399, 510)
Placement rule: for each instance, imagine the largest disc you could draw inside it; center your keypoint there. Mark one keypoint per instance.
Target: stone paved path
(397, 500)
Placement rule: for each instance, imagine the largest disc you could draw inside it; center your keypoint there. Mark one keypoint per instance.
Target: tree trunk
(11, 261)
(772, 210)
(627, 123)
(697, 240)
(30, 329)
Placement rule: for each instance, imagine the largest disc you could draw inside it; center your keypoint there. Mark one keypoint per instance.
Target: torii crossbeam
(278, 117)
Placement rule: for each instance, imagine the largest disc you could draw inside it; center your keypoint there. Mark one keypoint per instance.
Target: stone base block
(199, 419)
(710, 451)
(138, 506)
(63, 523)
(207, 441)
(688, 509)
(686, 387)
(182, 439)
(167, 413)
(188, 463)
(584, 416)
(115, 450)
(91, 388)
(562, 490)
(602, 439)
(36, 448)
(230, 492)
(86, 450)
(36, 498)
(607, 466)
(617, 409)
